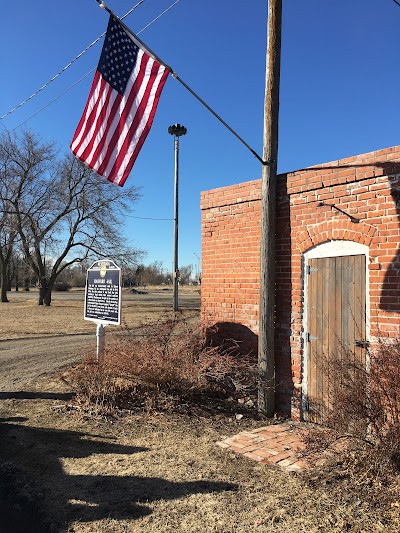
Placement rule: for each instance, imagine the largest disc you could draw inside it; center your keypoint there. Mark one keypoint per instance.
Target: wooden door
(336, 326)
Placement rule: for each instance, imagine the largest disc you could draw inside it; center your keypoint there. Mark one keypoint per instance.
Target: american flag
(121, 105)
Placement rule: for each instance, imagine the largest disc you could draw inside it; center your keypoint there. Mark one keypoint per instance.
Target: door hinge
(308, 406)
(311, 337)
(311, 269)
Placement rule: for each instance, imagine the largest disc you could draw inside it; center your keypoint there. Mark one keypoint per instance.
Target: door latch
(361, 344)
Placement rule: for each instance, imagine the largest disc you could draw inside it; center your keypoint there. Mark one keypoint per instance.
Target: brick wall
(365, 191)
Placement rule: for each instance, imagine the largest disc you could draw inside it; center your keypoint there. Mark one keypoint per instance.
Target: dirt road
(24, 360)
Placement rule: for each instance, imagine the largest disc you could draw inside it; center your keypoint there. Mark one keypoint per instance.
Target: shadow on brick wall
(233, 337)
(390, 293)
(285, 390)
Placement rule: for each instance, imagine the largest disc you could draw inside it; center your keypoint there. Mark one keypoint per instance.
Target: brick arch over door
(343, 230)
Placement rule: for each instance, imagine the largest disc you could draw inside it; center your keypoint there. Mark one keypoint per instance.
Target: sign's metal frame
(102, 267)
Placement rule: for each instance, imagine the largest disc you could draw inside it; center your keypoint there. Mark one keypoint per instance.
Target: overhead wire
(54, 100)
(72, 62)
(67, 66)
(87, 74)
(149, 218)
(83, 77)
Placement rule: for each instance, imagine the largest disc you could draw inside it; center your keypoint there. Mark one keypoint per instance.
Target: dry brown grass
(156, 472)
(161, 365)
(163, 473)
(23, 318)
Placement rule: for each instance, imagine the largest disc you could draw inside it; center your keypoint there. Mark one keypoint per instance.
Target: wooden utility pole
(266, 354)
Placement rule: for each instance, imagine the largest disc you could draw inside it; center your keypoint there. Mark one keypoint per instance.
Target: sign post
(103, 298)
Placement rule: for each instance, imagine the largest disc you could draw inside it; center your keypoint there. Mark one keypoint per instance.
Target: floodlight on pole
(177, 131)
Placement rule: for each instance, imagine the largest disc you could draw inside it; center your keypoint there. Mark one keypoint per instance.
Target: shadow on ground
(27, 395)
(82, 498)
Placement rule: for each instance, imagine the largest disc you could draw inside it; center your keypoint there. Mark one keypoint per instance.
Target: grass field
(23, 318)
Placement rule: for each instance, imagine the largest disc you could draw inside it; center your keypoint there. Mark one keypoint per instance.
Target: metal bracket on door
(311, 338)
(311, 269)
(361, 344)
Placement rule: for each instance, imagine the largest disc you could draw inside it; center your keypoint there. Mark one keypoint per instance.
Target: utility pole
(266, 349)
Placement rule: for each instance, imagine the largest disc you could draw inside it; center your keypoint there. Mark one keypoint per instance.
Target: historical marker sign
(103, 293)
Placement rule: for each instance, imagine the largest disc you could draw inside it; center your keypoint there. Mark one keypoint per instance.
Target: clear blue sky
(340, 91)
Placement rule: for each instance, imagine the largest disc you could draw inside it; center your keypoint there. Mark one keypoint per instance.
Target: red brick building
(337, 265)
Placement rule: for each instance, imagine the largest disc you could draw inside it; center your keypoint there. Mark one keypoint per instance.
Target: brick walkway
(278, 444)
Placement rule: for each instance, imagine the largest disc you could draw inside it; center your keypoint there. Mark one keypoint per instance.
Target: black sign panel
(103, 293)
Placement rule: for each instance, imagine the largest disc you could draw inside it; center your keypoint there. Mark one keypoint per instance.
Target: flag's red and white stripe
(113, 127)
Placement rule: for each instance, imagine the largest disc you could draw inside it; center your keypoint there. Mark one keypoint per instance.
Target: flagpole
(220, 119)
(176, 77)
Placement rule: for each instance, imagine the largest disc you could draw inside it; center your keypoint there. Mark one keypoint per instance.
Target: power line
(52, 101)
(85, 75)
(150, 218)
(72, 62)
(66, 66)
(158, 17)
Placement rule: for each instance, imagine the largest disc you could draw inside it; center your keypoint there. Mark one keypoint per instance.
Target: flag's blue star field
(118, 56)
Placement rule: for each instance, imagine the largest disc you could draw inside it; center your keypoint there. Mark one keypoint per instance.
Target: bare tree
(185, 274)
(14, 174)
(64, 212)
(8, 235)
(7, 238)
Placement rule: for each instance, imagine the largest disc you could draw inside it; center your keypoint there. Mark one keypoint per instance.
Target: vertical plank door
(336, 327)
